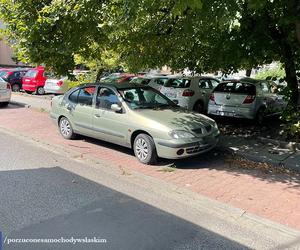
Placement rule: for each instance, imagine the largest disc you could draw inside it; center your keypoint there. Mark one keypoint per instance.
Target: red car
(34, 81)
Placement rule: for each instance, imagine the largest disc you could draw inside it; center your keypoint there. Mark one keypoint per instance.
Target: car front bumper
(238, 112)
(177, 149)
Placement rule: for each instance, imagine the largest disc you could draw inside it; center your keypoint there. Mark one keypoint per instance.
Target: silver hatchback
(246, 98)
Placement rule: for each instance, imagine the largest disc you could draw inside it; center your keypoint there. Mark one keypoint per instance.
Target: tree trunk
(248, 72)
(99, 74)
(290, 71)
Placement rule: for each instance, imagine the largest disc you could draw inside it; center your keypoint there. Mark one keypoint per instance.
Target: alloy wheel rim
(141, 149)
(40, 91)
(65, 127)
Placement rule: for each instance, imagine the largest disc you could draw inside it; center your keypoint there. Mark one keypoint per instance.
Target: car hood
(172, 119)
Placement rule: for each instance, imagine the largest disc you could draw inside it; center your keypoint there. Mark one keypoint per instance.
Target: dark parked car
(14, 77)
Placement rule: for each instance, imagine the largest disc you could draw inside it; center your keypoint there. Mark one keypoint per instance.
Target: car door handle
(97, 115)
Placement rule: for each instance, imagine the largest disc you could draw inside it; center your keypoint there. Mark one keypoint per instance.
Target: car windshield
(236, 87)
(145, 97)
(31, 73)
(178, 83)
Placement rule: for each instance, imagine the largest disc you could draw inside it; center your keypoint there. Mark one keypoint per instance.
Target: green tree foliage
(200, 35)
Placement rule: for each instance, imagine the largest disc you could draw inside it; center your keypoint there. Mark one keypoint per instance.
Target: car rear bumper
(238, 112)
(53, 90)
(172, 149)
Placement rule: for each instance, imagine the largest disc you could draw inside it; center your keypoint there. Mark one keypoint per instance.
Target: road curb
(20, 104)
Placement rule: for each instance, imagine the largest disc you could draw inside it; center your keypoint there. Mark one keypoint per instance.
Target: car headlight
(181, 134)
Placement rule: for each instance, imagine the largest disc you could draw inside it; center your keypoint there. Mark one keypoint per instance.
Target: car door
(80, 109)
(107, 124)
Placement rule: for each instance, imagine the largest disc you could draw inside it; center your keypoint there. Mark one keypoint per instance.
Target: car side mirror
(116, 108)
(176, 102)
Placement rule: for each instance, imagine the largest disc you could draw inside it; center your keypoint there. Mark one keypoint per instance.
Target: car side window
(85, 96)
(74, 96)
(160, 81)
(204, 84)
(105, 98)
(214, 83)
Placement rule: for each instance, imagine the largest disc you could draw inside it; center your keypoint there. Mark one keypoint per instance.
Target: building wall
(5, 52)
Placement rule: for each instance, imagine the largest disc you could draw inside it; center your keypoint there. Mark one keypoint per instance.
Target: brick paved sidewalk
(273, 196)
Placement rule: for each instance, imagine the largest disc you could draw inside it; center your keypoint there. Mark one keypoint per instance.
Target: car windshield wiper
(144, 107)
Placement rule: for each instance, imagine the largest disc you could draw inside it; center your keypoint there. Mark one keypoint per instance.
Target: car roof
(114, 85)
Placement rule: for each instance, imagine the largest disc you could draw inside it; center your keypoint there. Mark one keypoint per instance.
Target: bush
(272, 74)
(291, 117)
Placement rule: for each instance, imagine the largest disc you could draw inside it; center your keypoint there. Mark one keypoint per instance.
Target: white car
(191, 93)
(5, 93)
(157, 81)
(247, 98)
(56, 85)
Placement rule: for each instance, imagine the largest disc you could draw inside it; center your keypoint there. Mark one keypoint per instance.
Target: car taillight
(188, 92)
(249, 99)
(59, 83)
(212, 97)
(8, 86)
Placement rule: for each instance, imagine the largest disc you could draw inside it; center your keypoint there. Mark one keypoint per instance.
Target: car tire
(65, 129)
(15, 87)
(144, 149)
(260, 116)
(4, 104)
(199, 107)
(40, 91)
(28, 92)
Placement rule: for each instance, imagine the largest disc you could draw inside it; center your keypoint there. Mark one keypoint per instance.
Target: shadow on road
(53, 203)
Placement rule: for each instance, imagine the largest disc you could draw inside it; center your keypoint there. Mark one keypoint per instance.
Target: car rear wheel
(40, 91)
(199, 107)
(66, 129)
(144, 149)
(15, 87)
(260, 116)
(3, 104)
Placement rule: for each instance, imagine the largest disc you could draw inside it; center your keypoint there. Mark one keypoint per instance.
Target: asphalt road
(45, 195)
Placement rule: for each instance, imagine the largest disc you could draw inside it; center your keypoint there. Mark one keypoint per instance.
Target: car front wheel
(144, 149)
(66, 129)
(40, 91)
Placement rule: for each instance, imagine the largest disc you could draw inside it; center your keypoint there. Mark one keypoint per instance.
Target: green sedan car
(134, 116)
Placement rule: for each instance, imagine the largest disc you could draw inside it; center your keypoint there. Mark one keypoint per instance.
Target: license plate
(224, 113)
